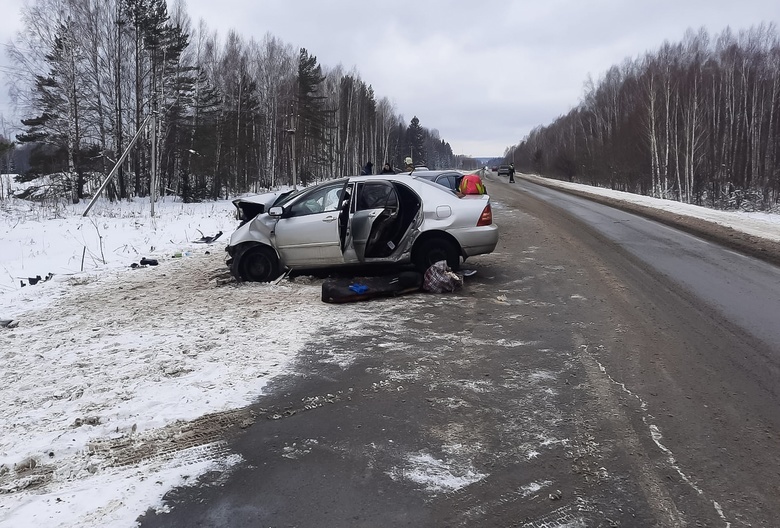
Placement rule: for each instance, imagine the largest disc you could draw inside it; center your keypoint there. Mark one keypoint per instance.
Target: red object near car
(471, 184)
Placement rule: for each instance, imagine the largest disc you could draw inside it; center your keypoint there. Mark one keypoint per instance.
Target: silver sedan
(363, 220)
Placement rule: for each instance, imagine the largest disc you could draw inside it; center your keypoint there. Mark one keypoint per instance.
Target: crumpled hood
(259, 229)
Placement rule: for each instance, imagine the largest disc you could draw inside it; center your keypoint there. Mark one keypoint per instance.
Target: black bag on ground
(366, 288)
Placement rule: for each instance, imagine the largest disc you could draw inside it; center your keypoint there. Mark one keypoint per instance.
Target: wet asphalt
(554, 389)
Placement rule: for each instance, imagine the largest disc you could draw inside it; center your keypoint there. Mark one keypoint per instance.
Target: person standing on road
(409, 164)
(368, 169)
(387, 169)
(511, 173)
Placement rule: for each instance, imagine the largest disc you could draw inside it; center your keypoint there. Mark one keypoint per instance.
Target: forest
(696, 121)
(213, 117)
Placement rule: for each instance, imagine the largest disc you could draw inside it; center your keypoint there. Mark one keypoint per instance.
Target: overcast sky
(483, 73)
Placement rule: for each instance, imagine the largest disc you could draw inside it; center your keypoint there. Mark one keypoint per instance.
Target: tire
(433, 250)
(255, 263)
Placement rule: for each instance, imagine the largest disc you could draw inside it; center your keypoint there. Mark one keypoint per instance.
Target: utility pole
(117, 165)
(294, 164)
(291, 132)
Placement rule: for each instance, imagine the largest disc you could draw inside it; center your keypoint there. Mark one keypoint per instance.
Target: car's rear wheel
(432, 250)
(255, 263)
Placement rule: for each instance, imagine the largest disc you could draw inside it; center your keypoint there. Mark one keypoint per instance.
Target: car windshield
(289, 197)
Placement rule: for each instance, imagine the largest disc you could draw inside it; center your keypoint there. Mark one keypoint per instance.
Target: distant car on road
(504, 169)
(363, 220)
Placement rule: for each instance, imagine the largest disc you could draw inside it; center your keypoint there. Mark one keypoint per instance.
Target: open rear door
(376, 207)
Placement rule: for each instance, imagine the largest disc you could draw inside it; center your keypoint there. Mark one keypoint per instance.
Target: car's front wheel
(430, 251)
(255, 263)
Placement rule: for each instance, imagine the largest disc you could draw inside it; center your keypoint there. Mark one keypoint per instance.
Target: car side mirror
(276, 211)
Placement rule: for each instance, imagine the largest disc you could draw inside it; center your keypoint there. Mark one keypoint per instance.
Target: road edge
(750, 245)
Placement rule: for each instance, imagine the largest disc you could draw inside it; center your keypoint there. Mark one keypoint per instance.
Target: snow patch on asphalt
(116, 495)
(436, 475)
(534, 487)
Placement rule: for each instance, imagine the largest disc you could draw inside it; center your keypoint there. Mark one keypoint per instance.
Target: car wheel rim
(258, 267)
(436, 257)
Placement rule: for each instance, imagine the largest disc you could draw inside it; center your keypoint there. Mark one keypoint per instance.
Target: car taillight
(486, 218)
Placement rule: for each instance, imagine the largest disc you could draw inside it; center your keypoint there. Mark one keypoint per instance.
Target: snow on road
(124, 355)
(118, 382)
(120, 356)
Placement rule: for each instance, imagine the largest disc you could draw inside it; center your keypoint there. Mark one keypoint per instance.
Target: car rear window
(376, 195)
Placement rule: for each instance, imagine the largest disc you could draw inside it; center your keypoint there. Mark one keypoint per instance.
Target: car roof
(432, 173)
(430, 191)
(404, 177)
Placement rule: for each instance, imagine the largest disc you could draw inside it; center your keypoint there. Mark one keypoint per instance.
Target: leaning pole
(118, 164)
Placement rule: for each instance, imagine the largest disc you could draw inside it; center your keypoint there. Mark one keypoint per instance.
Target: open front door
(377, 208)
(308, 232)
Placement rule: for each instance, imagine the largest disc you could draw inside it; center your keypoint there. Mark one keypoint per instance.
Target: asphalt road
(599, 370)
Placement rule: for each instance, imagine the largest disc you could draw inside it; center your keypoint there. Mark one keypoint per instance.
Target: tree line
(697, 121)
(226, 115)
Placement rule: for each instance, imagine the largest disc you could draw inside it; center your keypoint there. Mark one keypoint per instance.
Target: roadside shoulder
(755, 246)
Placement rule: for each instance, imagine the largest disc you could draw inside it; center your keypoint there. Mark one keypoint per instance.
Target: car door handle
(329, 219)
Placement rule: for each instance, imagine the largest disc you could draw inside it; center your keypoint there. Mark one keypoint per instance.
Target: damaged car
(248, 207)
(363, 220)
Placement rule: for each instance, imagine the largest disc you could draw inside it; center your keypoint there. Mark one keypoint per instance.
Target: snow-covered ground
(108, 360)
(763, 225)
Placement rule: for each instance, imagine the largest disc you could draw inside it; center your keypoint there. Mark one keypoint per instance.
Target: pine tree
(6, 150)
(312, 117)
(57, 128)
(415, 142)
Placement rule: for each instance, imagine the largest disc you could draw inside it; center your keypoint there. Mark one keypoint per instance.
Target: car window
(289, 196)
(447, 180)
(318, 200)
(376, 195)
(456, 182)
